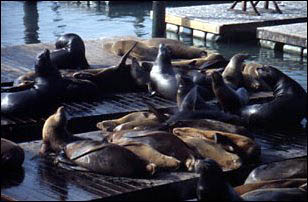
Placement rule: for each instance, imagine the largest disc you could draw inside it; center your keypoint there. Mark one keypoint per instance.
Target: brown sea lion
(108, 159)
(250, 79)
(212, 185)
(136, 117)
(285, 169)
(229, 99)
(148, 49)
(96, 156)
(151, 155)
(278, 113)
(54, 134)
(284, 183)
(12, 155)
(212, 150)
(232, 74)
(161, 141)
(243, 146)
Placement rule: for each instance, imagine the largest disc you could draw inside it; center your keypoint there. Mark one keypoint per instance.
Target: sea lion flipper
(125, 56)
(20, 87)
(208, 64)
(161, 117)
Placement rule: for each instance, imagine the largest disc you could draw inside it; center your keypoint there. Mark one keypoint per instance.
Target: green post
(158, 24)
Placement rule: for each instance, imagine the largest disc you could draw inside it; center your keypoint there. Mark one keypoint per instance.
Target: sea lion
(232, 74)
(213, 150)
(162, 76)
(148, 49)
(151, 155)
(44, 92)
(54, 134)
(276, 194)
(92, 155)
(69, 53)
(278, 113)
(283, 183)
(107, 159)
(161, 141)
(211, 185)
(136, 117)
(107, 79)
(244, 146)
(250, 79)
(12, 155)
(229, 99)
(290, 168)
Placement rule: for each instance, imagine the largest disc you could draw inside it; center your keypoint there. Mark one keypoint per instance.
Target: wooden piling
(158, 23)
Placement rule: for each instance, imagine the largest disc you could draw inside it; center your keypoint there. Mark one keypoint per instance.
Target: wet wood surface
(40, 179)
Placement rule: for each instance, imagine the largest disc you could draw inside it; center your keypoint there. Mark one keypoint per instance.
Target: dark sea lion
(148, 49)
(48, 83)
(243, 146)
(278, 113)
(213, 150)
(162, 76)
(290, 168)
(12, 155)
(232, 73)
(284, 183)
(251, 80)
(211, 185)
(229, 99)
(161, 141)
(151, 155)
(70, 53)
(107, 79)
(107, 159)
(276, 194)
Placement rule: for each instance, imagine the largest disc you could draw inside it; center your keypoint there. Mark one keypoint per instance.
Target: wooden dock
(219, 23)
(287, 38)
(39, 179)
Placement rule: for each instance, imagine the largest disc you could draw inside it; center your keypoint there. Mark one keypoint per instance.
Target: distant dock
(219, 23)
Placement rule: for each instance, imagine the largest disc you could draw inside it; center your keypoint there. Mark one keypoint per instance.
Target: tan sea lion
(212, 150)
(136, 117)
(251, 81)
(148, 49)
(232, 74)
(243, 146)
(12, 155)
(151, 155)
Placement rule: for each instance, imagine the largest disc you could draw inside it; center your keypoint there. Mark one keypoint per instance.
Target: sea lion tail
(125, 56)
(161, 117)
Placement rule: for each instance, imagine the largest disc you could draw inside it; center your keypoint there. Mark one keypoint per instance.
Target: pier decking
(219, 23)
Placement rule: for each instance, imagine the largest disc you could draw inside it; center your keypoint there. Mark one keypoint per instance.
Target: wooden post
(158, 23)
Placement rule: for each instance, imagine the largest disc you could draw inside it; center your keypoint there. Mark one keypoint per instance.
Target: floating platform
(40, 179)
(219, 23)
(287, 38)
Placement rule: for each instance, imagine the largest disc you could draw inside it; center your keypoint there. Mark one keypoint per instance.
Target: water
(44, 21)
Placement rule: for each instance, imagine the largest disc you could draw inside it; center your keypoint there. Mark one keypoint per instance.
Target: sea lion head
(43, 65)
(269, 74)
(240, 57)
(164, 54)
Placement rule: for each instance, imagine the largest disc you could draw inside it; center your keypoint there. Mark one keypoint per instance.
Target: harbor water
(43, 21)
